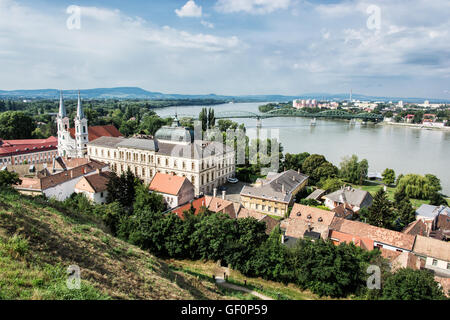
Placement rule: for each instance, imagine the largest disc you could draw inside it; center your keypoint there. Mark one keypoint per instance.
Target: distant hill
(139, 93)
(39, 242)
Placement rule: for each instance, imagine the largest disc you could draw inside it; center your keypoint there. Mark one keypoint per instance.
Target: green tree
(388, 176)
(317, 168)
(331, 184)
(405, 212)
(122, 189)
(416, 186)
(7, 179)
(409, 284)
(151, 123)
(327, 269)
(353, 171)
(203, 118)
(434, 182)
(211, 118)
(380, 213)
(294, 161)
(16, 125)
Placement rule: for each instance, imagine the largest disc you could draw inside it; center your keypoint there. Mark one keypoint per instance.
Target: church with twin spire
(72, 141)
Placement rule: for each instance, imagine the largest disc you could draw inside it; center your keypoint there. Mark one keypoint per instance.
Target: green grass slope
(39, 242)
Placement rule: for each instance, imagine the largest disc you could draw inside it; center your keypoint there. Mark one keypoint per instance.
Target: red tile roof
(197, 204)
(96, 132)
(367, 231)
(167, 183)
(17, 147)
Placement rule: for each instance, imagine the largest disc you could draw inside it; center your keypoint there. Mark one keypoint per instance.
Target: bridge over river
(328, 114)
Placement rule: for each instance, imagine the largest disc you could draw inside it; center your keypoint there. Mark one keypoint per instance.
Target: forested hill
(141, 94)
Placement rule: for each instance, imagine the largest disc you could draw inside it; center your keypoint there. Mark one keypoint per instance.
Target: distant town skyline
(229, 47)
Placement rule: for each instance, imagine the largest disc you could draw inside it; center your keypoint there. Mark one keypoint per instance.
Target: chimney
(282, 188)
(215, 192)
(98, 171)
(298, 170)
(71, 174)
(223, 194)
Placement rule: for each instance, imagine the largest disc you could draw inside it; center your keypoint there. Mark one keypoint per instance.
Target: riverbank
(417, 126)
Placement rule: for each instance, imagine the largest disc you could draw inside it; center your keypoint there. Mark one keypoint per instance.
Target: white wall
(64, 190)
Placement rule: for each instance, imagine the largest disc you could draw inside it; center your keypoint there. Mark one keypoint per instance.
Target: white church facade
(72, 142)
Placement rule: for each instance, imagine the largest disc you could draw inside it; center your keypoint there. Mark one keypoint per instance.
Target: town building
(221, 205)
(370, 237)
(173, 150)
(274, 194)
(94, 186)
(355, 198)
(72, 142)
(436, 254)
(175, 190)
(28, 151)
(58, 185)
(436, 220)
(306, 222)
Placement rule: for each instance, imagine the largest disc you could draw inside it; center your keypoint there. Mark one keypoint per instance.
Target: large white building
(173, 150)
(72, 142)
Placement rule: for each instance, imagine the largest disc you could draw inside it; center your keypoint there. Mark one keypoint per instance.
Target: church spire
(62, 108)
(80, 113)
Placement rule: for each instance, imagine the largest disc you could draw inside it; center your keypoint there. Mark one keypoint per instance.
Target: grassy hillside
(39, 242)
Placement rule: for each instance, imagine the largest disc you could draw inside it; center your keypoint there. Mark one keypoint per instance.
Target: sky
(231, 47)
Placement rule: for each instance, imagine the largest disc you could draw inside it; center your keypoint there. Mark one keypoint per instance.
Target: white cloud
(190, 9)
(207, 24)
(110, 48)
(251, 6)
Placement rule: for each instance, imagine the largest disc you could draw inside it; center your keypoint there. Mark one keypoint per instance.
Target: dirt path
(220, 281)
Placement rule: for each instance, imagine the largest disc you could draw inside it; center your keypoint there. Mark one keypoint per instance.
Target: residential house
(274, 194)
(436, 254)
(175, 190)
(94, 186)
(59, 185)
(370, 237)
(220, 205)
(355, 198)
(306, 222)
(430, 216)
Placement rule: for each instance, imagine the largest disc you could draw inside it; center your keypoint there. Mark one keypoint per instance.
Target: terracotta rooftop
(43, 183)
(306, 219)
(364, 230)
(415, 228)
(167, 183)
(311, 214)
(96, 132)
(98, 181)
(432, 248)
(215, 204)
(197, 204)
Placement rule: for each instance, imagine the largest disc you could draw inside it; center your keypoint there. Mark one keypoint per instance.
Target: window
(435, 262)
(101, 194)
(448, 266)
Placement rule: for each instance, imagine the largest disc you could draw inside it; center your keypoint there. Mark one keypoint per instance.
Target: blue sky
(390, 48)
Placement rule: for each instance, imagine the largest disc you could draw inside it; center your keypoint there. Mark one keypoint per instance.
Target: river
(404, 149)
